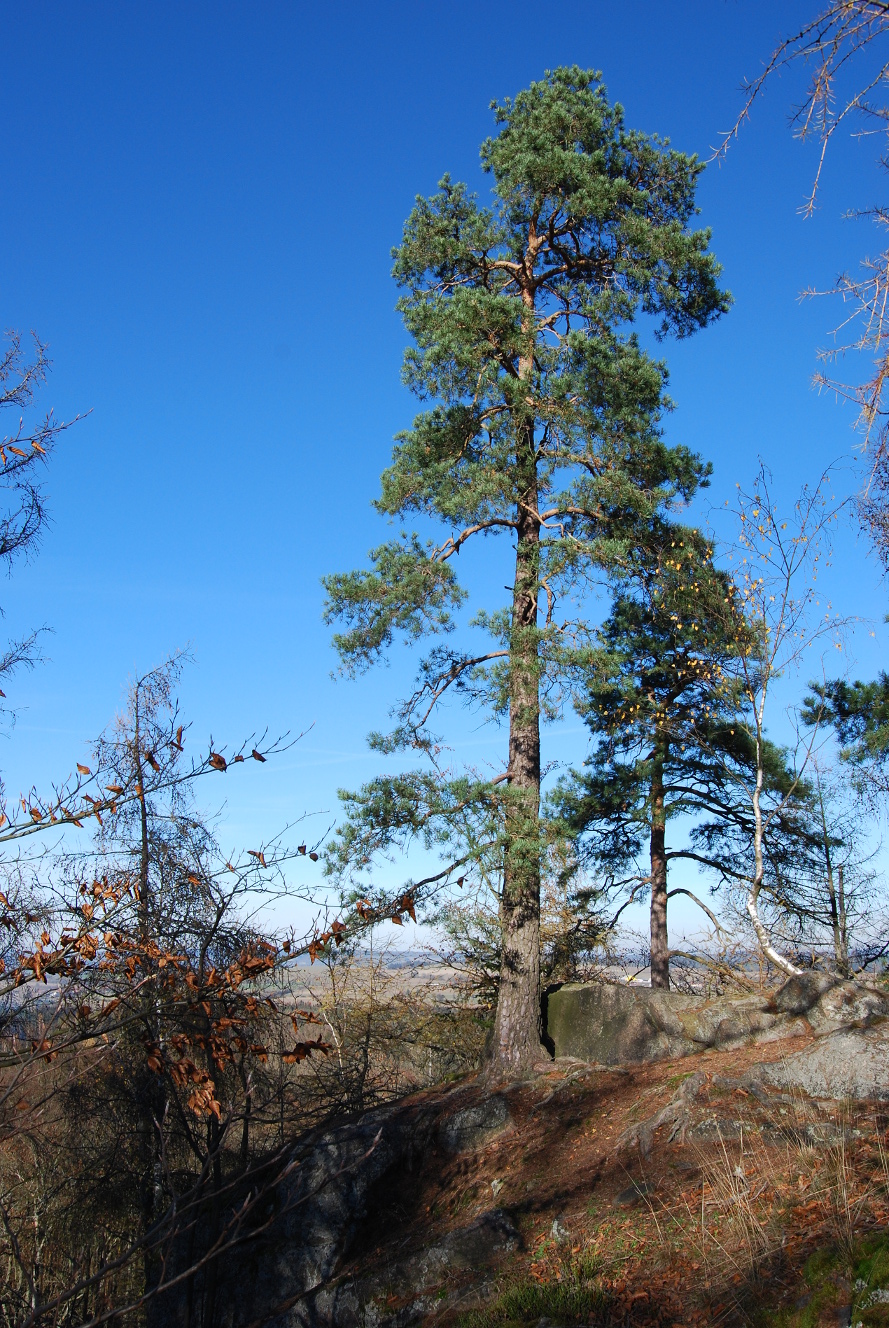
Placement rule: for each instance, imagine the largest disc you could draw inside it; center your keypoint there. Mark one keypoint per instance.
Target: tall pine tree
(665, 710)
(542, 426)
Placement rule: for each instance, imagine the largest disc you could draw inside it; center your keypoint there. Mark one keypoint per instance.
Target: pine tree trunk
(660, 947)
(836, 898)
(842, 948)
(516, 1040)
(515, 1044)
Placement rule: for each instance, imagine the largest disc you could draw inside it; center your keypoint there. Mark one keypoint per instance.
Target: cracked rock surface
(620, 1024)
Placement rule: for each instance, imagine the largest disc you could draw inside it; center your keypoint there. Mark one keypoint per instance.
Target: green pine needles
(541, 425)
(665, 706)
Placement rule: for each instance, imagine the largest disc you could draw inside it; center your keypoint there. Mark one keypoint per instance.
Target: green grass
(819, 1276)
(870, 1273)
(823, 1274)
(872, 1261)
(574, 1299)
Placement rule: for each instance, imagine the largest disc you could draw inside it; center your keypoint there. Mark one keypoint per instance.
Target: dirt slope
(676, 1193)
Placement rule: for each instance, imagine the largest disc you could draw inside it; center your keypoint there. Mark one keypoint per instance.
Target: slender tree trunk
(835, 927)
(842, 928)
(660, 946)
(152, 1103)
(781, 963)
(836, 898)
(211, 1218)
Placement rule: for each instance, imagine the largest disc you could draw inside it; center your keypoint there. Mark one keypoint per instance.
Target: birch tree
(780, 613)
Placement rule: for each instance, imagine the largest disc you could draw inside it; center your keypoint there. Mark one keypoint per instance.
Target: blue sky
(200, 203)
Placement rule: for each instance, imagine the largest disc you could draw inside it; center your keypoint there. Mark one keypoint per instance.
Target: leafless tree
(24, 450)
(844, 50)
(779, 613)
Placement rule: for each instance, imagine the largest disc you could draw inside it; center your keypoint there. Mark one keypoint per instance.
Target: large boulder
(288, 1270)
(622, 1024)
(473, 1127)
(310, 1218)
(849, 1063)
(409, 1292)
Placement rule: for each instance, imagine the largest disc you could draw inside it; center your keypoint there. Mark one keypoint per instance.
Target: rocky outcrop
(289, 1273)
(611, 1024)
(475, 1126)
(850, 1063)
(409, 1291)
(348, 1237)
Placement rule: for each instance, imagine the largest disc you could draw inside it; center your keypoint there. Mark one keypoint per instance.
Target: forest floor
(677, 1193)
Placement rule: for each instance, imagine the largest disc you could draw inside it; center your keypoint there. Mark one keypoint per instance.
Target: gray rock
(846, 1003)
(633, 1194)
(474, 1127)
(614, 1024)
(715, 1129)
(618, 1025)
(280, 1277)
(430, 1281)
(800, 993)
(476, 1246)
(849, 1063)
(291, 1275)
(323, 1207)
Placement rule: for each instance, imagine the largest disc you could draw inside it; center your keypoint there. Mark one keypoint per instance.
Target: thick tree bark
(516, 1040)
(660, 946)
(515, 1044)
